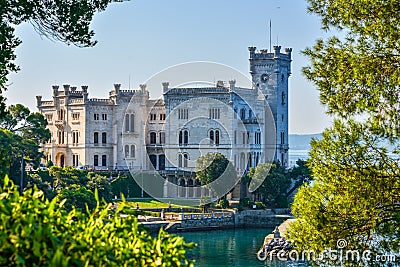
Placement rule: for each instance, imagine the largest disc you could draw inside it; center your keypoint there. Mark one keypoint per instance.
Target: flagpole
(270, 30)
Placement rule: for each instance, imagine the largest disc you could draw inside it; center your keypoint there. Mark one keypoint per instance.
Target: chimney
(117, 87)
(143, 88)
(165, 87)
(66, 89)
(38, 100)
(232, 85)
(220, 84)
(55, 90)
(84, 88)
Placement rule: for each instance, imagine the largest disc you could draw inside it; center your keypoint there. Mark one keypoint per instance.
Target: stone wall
(258, 218)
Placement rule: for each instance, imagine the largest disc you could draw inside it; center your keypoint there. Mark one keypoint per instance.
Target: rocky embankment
(275, 244)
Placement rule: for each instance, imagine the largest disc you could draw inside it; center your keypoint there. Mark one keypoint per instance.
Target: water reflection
(230, 248)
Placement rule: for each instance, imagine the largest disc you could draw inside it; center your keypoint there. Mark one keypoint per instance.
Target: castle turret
(270, 73)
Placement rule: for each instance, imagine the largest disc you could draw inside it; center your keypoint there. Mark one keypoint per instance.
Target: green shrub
(223, 203)
(245, 202)
(259, 205)
(36, 232)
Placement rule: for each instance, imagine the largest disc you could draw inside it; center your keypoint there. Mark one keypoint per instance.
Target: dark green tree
(77, 197)
(274, 186)
(217, 172)
(66, 21)
(355, 191)
(22, 133)
(101, 184)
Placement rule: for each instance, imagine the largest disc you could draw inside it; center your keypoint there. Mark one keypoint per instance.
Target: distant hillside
(301, 141)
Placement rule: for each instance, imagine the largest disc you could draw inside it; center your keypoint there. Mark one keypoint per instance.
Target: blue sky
(137, 39)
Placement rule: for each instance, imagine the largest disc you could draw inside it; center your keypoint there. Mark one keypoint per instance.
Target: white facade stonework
(128, 130)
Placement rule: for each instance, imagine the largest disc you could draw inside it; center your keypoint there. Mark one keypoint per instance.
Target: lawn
(147, 203)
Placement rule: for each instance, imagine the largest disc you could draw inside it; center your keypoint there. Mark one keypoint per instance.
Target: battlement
(275, 54)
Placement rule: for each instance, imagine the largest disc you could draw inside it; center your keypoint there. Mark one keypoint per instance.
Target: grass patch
(148, 203)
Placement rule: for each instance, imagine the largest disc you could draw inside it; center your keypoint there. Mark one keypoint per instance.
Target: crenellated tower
(270, 73)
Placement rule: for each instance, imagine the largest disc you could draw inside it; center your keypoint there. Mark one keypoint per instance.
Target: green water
(231, 248)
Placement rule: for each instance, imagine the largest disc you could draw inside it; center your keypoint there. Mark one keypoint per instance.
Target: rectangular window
(75, 160)
(75, 116)
(183, 114)
(49, 117)
(243, 138)
(214, 113)
(103, 138)
(104, 117)
(162, 117)
(60, 135)
(75, 137)
(248, 138)
(104, 160)
(126, 122)
(235, 137)
(132, 126)
(257, 138)
(282, 138)
(153, 117)
(95, 138)
(96, 160)
(153, 138)
(162, 138)
(96, 116)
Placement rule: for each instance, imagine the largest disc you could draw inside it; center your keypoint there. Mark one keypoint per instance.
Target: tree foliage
(66, 21)
(36, 232)
(217, 172)
(355, 193)
(274, 183)
(21, 133)
(361, 73)
(76, 186)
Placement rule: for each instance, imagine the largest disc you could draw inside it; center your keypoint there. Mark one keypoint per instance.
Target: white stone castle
(128, 130)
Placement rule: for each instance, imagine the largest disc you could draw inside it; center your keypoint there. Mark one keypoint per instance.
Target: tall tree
(355, 194)
(22, 132)
(217, 172)
(274, 183)
(66, 21)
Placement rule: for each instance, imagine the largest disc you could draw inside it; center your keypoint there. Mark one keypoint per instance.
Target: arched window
(127, 123)
(153, 138)
(60, 135)
(133, 151)
(96, 137)
(104, 137)
(212, 137)
(183, 159)
(217, 137)
(242, 113)
(183, 137)
(126, 151)
(132, 124)
(104, 160)
(283, 98)
(180, 160)
(162, 137)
